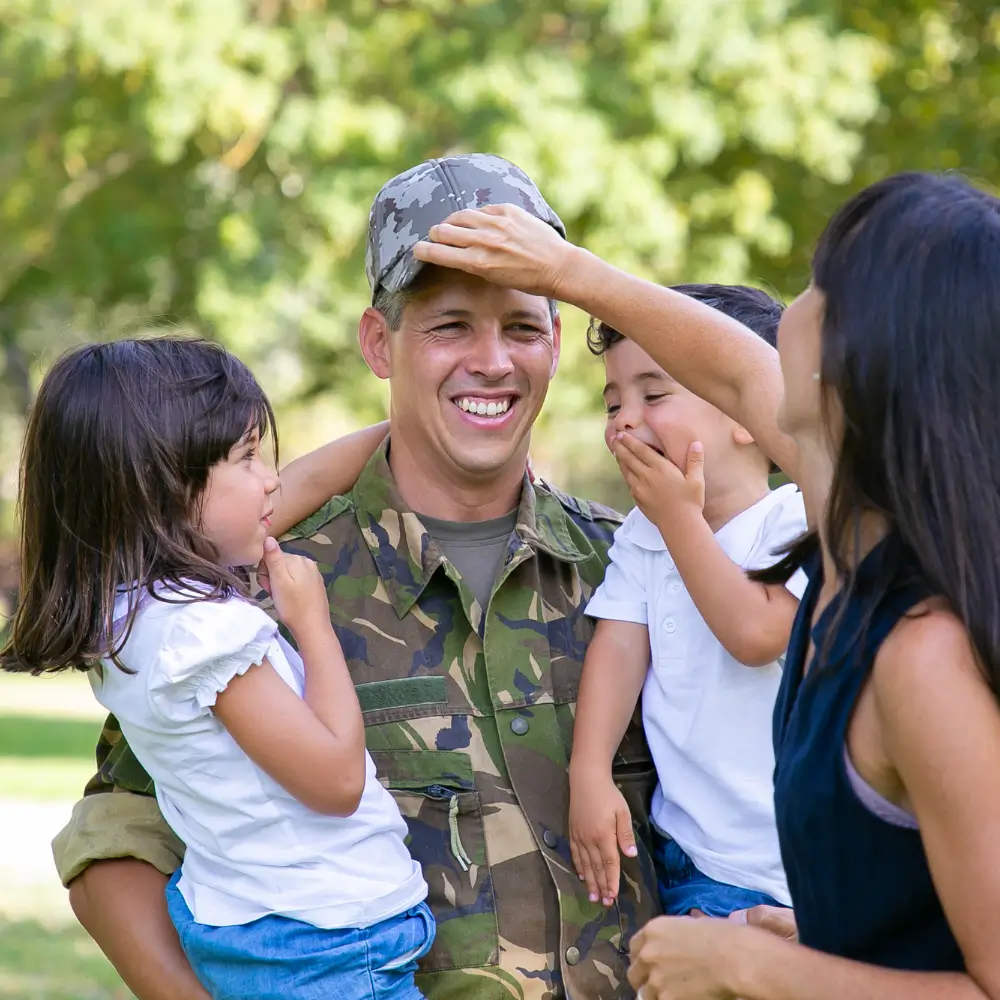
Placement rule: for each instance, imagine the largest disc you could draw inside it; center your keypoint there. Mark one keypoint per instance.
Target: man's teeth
(495, 408)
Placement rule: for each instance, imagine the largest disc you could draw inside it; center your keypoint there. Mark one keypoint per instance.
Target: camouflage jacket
(469, 718)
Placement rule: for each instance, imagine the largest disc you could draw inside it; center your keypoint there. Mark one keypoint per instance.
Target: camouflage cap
(413, 201)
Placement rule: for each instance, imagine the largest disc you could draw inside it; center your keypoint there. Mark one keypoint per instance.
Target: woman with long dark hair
(882, 405)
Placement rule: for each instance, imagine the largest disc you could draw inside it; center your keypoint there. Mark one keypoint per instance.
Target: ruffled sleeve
(206, 644)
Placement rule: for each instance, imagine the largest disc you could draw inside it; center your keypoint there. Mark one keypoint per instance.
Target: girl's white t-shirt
(252, 848)
(707, 717)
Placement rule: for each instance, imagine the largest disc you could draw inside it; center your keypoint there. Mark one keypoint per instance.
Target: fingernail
(607, 902)
(632, 851)
(593, 897)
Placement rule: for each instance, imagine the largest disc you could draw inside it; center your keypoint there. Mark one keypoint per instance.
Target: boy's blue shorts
(684, 888)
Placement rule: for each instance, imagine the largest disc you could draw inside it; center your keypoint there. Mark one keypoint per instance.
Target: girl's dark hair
(911, 353)
(752, 307)
(117, 451)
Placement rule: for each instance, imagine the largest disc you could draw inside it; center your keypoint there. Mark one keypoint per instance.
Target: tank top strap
(853, 628)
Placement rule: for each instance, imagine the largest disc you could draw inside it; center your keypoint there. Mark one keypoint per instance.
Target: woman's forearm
(706, 351)
(773, 969)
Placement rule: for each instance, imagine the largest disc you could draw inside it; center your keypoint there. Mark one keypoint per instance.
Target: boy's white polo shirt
(707, 717)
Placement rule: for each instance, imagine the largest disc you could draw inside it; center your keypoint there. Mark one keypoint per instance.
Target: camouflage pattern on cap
(469, 719)
(408, 205)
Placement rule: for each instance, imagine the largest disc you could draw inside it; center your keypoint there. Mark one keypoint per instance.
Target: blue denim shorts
(684, 888)
(275, 958)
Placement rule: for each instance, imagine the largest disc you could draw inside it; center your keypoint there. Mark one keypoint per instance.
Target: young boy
(679, 621)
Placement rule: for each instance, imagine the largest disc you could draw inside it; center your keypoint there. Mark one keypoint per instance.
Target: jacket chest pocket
(436, 795)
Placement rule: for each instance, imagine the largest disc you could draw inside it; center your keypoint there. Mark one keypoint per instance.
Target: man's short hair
(752, 307)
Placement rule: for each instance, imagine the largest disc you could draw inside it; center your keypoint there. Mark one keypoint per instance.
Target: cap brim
(402, 272)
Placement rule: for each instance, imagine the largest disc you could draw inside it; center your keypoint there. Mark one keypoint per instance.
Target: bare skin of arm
(707, 352)
(313, 746)
(121, 905)
(308, 482)
(752, 620)
(614, 670)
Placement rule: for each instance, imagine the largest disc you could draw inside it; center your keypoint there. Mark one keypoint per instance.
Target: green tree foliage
(211, 164)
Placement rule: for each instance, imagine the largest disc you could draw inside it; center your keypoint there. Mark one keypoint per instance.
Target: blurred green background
(209, 166)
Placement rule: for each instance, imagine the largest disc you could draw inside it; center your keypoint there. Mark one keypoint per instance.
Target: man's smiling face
(470, 366)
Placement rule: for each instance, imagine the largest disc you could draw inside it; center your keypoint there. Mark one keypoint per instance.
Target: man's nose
(490, 357)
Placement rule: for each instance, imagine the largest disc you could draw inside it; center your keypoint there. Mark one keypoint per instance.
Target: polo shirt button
(550, 839)
(675, 587)
(572, 956)
(519, 726)
(670, 626)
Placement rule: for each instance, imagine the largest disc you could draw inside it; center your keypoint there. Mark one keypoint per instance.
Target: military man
(457, 588)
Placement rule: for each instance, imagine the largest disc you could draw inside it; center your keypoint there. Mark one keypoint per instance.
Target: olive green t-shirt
(475, 548)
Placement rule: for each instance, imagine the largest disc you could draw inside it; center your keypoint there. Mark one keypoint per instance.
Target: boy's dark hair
(116, 455)
(750, 306)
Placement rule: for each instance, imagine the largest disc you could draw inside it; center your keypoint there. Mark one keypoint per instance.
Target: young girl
(143, 491)
(887, 727)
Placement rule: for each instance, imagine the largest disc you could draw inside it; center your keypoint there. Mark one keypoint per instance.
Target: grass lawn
(48, 728)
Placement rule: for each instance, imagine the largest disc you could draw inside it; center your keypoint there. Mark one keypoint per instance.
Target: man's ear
(373, 336)
(556, 343)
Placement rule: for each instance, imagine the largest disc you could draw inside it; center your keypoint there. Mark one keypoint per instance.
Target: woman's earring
(815, 376)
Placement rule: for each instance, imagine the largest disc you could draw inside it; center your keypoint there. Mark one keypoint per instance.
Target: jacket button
(572, 956)
(519, 726)
(670, 626)
(550, 839)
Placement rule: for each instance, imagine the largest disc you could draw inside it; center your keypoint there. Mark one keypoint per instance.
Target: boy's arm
(329, 471)
(614, 670)
(752, 620)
